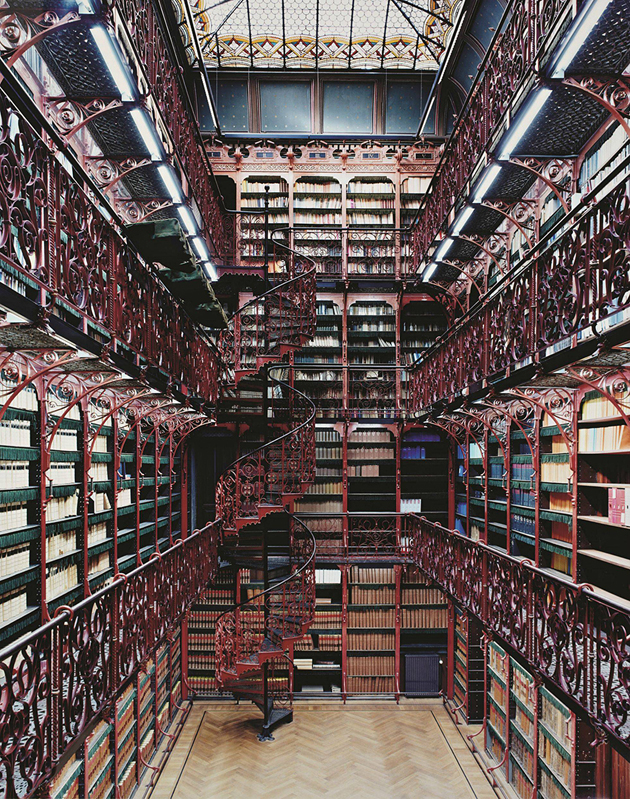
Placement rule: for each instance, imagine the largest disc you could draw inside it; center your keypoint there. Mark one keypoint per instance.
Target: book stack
(12, 604)
(66, 783)
(99, 762)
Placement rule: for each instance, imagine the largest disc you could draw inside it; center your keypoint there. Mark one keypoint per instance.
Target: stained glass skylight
(317, 34)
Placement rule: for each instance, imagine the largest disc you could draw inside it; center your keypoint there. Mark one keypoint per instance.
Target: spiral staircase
(254, 640)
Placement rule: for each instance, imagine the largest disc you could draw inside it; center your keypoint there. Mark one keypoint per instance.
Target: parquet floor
(360, 751)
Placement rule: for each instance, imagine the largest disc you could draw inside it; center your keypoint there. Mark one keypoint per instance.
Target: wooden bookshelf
(496, 727)
(468, 666)
(423, 473)
(214, 601)
(252, 199)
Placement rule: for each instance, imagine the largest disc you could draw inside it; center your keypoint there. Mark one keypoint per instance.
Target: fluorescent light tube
(444, 247)
(462, 219)
(187, 219)
(578, 33)
(147, 134)
(209, 269)
(517, 131)
(170, 183)
(202, 251)
(486, 181)
(111, 57)
(428, 272)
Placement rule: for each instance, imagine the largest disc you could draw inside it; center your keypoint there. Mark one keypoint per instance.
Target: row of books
(98, 563)
(371, 574)
(62, 507)
(375, 596)
(370, 187)
(15, 432)
(371, 641)
(371, 453)
(373, 617)
(322, 641)
(368, 203)
(14, 559)
(62, 474)
(318, 506)
(370, 685)
(61, 544)
(60, 578)
(325, 341)
(12, 604)
(424, 618)
(613, 438)
(303, 186)
(329, 487)
(422, 596)
(25, 400)
(367, 470)
(312, 203)
(259, 202)
(365, 359)
(326, 619)
(328, 576)
(372, 665)
(328, 471)
(316, 218)
(13, 515)
(363, 218)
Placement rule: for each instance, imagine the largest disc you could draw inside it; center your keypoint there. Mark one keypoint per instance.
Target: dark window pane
(405, 102)
(285, 106)
(486, 21)
(232, 105)
(348, 107)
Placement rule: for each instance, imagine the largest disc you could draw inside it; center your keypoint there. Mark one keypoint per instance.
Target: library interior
(315, 399)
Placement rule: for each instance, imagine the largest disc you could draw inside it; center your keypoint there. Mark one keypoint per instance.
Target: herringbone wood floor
(365, 751)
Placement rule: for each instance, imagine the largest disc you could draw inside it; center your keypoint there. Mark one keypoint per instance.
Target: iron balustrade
(264, 480)
(58, 679)
(356, 536)
(61, 248)
(575, 287)
(508, 65)
(568, 634)
(372, 391)
(261, 628)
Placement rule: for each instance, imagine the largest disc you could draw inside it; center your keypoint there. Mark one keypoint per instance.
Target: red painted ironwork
(266, 627)
(354, 536)
(59, 248)
(568, 634)
(578, 280)
(56, 680)
(509, 63)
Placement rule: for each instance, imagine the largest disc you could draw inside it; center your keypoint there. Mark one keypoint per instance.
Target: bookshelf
(215, 600)
(521, 768)
(412, 190)
(317, 201)
(111, 762)
(252, 199)
(372, 469)
(496, 732)
(371, 333)
(421, 323)
(423, 473)
(371, 633)
(555, 509)
(468, 669)
(603, 512)
(318, 656)
(370, 201)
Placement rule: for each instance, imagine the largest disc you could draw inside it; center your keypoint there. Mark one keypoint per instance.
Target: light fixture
(111, 57)
(517, 131)
(210, 271)
(428, 272)
(487, 180)
(582, 25)
(187, 219)
(441, 251)
(171, 184)
(200, 246)
(462, 219)
(147, 134)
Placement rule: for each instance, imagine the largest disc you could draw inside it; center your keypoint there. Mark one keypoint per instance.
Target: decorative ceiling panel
(317, 34)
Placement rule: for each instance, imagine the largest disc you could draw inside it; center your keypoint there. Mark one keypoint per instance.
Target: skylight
(318, 34)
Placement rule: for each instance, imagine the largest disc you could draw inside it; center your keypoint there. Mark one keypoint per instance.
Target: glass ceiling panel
(317, 34)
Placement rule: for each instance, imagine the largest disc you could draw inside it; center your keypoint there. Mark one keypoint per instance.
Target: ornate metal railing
(265, 627)
(353, 392)
(164, 77)
(508, 65)
(273, 324)
(359, 536)
(157, 75)
(57, 680)
(266, 479)
(348, 253)
(569, 634)
(64, 252)
(577, 286)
